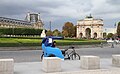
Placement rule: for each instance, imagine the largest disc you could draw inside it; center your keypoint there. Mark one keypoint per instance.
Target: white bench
(90, 62)
(51, 64)
(6, 66)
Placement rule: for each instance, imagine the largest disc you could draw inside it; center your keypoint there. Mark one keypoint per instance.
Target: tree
(69, 27)
(49, 33)
(74, 31)
(110, 35)
(65, 33)
(56, 33)
(118, 29)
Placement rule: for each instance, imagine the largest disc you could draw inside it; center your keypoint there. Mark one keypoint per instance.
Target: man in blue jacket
(49, 50)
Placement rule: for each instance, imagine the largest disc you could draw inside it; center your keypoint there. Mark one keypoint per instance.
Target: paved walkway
(67, 67)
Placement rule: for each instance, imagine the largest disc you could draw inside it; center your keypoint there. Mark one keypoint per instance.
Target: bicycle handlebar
(71, 47)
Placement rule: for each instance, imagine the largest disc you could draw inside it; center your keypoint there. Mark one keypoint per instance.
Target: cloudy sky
(61, 11)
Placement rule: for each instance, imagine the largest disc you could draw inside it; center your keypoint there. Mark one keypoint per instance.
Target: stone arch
(95, 35)
(88, 33)
(81, 35)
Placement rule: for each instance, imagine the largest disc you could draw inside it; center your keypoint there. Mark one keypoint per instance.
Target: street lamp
(50, 25)
(105, 33)
(114, 28)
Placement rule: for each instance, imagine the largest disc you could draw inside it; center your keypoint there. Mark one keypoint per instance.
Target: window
(4, 20)
(1, 20)
(10, 21)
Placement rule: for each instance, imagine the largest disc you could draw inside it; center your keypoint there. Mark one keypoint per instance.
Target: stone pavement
(68, 67)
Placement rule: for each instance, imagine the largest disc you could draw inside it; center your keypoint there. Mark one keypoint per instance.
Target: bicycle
(71, 55)
(67, 55)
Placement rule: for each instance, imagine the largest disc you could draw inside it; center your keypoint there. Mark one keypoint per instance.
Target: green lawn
(16, 40)
(8, 42)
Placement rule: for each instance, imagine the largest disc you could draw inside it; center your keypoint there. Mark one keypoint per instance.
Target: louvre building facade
(32, 20)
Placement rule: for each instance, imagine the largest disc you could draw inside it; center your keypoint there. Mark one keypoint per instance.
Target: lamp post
(50, 25)
(106, 30)
(114, 28)
(13, 27)
(13, 30)
(106, 33)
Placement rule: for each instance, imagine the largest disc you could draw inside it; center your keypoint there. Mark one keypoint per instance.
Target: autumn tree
(69, 29)
(65, 33)
(118, 29)
(74, 31)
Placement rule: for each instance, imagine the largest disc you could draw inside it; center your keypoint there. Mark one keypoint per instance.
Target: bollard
(6, 66)
(90, 62)
(51, 64)
(116, 60)
(112, 45)
(101, 45)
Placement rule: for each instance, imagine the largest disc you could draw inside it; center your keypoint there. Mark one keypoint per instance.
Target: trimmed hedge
(20, 31)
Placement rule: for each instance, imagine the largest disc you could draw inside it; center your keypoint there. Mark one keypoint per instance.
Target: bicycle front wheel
(75, 56)
(41, 58)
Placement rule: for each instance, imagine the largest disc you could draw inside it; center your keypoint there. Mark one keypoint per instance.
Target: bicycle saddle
(72, 47)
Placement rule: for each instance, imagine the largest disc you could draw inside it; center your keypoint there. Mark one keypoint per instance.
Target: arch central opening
(80, 35)
(95, 35)
(88, 33)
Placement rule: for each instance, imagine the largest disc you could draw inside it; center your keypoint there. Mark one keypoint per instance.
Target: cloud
(60, 10)
(72, 9)
(112, 2)
(105, 9)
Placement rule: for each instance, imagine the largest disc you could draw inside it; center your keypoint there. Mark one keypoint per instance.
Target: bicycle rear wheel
(75, 56)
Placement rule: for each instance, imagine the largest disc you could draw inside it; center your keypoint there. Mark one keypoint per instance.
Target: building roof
(89, 17)
(15, 21)
(90, 20)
